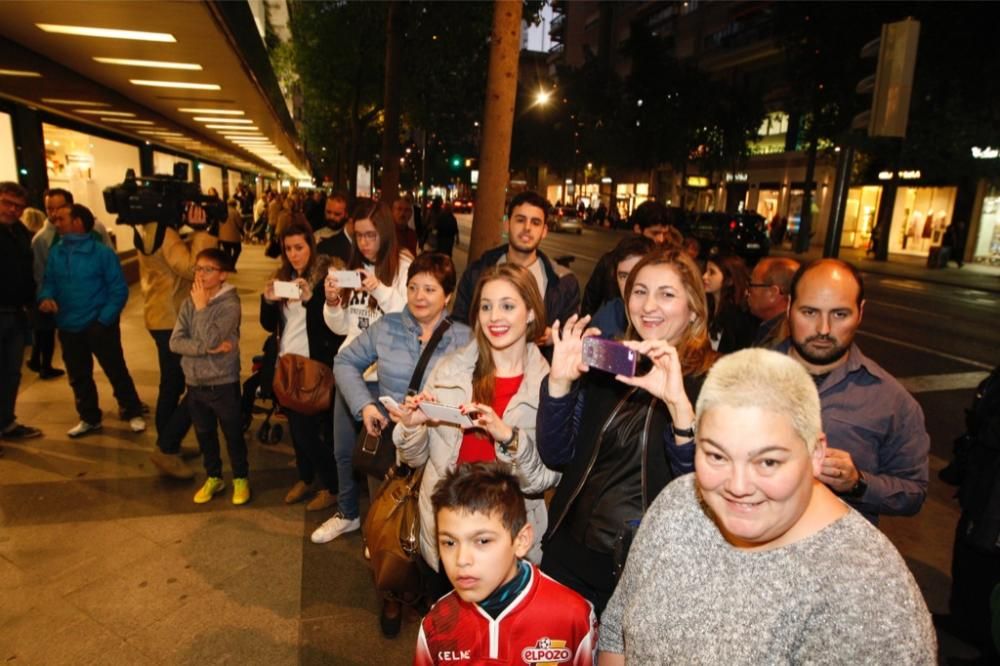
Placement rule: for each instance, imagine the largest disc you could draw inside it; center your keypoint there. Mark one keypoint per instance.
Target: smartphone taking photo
(609, 356)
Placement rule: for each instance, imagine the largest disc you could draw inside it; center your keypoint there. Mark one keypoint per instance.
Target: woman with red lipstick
(495, 380)
(614, 437)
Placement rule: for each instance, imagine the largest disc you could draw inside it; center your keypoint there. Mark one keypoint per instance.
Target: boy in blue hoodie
(207, 335)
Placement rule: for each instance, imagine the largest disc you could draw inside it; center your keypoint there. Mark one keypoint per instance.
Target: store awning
(192, 76)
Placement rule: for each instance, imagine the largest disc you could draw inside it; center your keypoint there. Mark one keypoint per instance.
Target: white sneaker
(137, 423)
(334, 527)
(82, 428)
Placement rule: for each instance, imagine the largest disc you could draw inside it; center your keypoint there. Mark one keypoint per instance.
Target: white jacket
(451, 384)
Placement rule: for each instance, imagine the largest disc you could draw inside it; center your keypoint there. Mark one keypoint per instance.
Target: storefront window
(919, 218)
(85, 165)
(235, 178)
(211, 176)
(8, 156)
(767, 203)
(860, 215)
(988, 241)
(163, 164)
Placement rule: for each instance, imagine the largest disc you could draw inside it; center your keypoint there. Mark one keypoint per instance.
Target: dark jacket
(562, 291)
(602, 285)
(323, 343)
(735, 327)
(16, 268)
(570, 430)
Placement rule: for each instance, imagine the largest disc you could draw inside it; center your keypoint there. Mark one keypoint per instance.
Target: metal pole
(836, 226)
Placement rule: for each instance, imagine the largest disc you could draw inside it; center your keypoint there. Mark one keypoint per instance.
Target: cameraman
(166, 266)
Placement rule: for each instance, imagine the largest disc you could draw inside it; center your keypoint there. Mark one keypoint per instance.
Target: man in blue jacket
(85, 289)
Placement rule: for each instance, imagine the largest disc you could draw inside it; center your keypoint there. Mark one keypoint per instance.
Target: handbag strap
(425, 356)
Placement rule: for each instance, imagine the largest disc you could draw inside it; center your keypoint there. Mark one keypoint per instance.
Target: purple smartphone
(610, 356)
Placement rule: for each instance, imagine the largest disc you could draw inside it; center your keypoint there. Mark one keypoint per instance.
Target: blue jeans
(211, 407)
(345, 434)
(13, 329)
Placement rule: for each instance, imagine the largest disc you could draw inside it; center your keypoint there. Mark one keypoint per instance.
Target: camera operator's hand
(196, 217)
(269, 292)
(305, 289)
(49, 306)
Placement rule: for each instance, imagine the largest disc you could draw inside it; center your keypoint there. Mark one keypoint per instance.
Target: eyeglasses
(366, 236)
(758, 285)
(206, 269)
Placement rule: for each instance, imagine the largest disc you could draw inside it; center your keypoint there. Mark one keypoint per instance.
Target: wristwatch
(510, 446)
(859, 489)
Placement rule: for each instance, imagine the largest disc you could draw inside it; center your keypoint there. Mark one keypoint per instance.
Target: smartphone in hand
(446, 414)
(288, 290)
(609, 356)
(347, 279)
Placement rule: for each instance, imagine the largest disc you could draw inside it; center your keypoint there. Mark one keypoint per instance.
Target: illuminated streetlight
(543, 97)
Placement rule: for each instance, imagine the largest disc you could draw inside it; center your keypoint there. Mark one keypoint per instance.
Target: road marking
(946, 382)
(927, 350)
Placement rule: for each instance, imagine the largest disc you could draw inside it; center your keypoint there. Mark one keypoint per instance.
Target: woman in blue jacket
(396, 342)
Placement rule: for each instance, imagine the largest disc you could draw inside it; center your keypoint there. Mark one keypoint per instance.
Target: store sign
(697, 181)
(911, 174)
(736, 177)
(987, 153)
(474, 176)
(605, 180)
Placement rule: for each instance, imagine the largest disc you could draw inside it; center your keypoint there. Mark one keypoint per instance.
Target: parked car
(744, 234)
(461, 206)
(564, 218)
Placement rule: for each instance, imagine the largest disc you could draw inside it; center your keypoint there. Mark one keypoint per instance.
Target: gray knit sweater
(841, 596)
(197, 331)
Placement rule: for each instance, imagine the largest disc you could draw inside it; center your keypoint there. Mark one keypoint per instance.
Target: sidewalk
(970, 276)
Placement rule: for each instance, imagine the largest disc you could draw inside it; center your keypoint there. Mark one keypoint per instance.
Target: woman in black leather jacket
(615, 438)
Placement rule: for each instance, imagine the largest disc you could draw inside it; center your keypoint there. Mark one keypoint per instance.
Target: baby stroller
(258, 398)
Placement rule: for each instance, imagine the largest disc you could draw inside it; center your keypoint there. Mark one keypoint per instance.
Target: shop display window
(988, 242)
(860, 215)
(8, 156)
(919, 219)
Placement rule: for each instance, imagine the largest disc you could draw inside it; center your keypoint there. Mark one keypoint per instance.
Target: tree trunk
(804, 235)
(498, 122)
(390, 102)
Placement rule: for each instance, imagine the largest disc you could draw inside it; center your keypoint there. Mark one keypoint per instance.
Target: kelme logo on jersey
(545, 652)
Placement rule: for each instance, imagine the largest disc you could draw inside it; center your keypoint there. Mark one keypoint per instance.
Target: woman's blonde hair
(694, 349)
(484, 375)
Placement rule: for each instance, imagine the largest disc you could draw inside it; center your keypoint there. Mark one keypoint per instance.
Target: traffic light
(892, 83)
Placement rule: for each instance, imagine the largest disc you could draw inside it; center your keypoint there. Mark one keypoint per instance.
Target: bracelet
(683, 432)
(510, 446)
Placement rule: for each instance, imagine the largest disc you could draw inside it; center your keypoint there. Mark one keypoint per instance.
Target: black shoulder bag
(375, 455)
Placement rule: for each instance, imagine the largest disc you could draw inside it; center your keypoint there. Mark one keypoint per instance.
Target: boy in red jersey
(503, 610)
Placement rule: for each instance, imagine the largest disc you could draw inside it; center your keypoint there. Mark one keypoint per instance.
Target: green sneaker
(213, 485)
(241, 491)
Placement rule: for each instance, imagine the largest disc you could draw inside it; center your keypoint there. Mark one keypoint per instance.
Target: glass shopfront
(211, 176)
(85, 165)
(163, 164)
(8, 156)
(920, 216)
(987, 242)
(860, 215)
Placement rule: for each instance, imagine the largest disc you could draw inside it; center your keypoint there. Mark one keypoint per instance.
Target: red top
(477, 445)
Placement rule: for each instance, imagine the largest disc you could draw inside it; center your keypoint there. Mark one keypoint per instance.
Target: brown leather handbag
(302, 384)
(391, 532)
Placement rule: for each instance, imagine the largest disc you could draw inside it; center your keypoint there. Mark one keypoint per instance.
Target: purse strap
(425, 356)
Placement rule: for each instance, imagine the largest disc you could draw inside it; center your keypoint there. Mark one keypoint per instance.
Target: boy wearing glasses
(206, 336)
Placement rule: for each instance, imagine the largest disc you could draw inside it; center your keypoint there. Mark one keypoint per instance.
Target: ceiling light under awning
(162, 64)
(107, 33)
(217, 112)
(128, 121)
(231, 121)
(72, 102)
(101, 112)
(19, 72)
(175, 84)
(232, 127)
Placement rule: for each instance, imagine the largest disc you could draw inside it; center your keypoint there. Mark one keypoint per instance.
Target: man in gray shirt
(877, 458)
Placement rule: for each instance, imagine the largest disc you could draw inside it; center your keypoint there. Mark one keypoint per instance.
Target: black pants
(588, 572)
(44, 347)
(313, 456)
(173, 415)
(79, 349)
(13, 330)
(974, 574)
(211, 407)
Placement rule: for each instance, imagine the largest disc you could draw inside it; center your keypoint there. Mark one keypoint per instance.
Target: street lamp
(542, 97)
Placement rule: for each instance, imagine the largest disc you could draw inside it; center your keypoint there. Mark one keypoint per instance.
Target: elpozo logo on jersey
(547, 651)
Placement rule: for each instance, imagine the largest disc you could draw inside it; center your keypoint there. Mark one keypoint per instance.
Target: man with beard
(877, 457)
(332, 240)
(525, 230)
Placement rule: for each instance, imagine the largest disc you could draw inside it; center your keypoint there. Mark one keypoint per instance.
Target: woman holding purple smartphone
(614, 436)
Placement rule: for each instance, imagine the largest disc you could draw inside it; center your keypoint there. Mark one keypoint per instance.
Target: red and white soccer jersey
(547, 624)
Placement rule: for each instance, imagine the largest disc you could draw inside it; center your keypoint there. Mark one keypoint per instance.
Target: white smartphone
(346, 279)
(446, 414)
(389, 402)
(288, 290)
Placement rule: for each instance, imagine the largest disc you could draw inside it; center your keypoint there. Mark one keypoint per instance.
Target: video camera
(161, 199)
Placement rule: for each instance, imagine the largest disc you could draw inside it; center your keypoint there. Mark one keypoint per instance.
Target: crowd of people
(718, 504)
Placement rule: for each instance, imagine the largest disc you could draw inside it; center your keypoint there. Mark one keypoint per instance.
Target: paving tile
(137, 596)
(335, 640)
